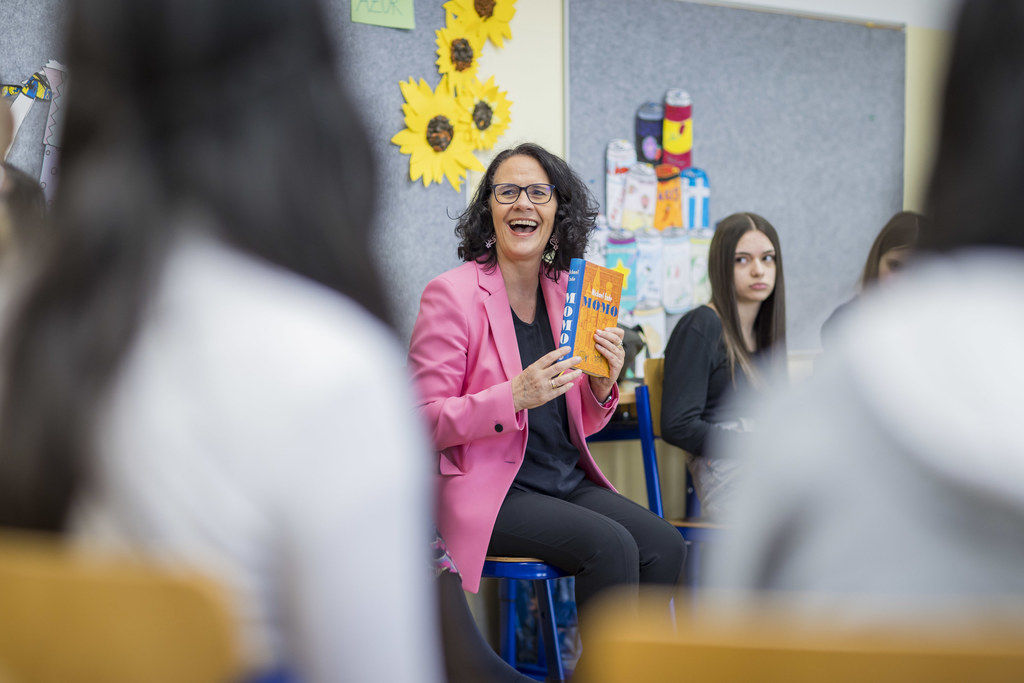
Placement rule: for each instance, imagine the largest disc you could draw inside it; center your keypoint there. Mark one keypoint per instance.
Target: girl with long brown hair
(735, 343)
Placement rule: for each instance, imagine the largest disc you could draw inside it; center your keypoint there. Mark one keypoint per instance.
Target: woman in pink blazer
(509, 419)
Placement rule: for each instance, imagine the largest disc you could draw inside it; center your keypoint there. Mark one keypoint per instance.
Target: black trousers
(600, 536)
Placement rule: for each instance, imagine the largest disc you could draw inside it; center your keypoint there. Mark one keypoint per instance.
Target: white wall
(530, 68)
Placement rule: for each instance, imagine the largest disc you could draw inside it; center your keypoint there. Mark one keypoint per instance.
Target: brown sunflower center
(462, 54)
(485, 8)
(439, 133)
(482, 115)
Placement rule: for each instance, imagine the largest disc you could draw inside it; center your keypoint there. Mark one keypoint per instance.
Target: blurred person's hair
(977, 184)
(225, 114)
(22, 209)
(770, 324)
(901, 232)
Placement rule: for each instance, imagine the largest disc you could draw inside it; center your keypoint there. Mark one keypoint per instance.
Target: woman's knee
(662, 555)
(616, 553)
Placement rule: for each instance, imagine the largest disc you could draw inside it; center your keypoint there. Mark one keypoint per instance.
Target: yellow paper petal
(495, 27)
(421, 107)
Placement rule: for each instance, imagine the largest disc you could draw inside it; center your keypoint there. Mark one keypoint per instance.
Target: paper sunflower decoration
(489, 111)
(436, 134)
(457, 53)
(488, 18)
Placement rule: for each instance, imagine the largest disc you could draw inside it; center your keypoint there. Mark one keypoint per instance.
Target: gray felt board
(798, 119)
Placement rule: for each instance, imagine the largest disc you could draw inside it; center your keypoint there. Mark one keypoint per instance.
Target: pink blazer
(463, 357)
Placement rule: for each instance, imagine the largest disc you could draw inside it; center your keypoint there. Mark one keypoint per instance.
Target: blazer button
(498, 427)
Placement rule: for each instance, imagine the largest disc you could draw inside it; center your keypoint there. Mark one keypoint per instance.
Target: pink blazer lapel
(499, 316)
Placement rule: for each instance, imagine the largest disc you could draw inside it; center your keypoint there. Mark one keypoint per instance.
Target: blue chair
(648, 410)
(541, 574)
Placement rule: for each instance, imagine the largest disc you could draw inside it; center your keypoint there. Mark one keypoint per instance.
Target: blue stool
(541, 573)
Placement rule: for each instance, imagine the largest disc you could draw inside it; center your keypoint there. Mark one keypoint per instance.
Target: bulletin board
(414, 225)
(798, 119)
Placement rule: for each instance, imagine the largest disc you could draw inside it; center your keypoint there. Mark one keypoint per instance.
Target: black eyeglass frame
(551, 189)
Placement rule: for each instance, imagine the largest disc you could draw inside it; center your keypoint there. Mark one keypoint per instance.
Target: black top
(551, 464)
(828, 332)
(698, 392)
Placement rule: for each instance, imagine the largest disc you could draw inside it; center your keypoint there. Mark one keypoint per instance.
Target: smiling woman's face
(522, 229)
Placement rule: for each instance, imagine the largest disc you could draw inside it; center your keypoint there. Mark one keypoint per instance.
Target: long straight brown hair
(770, 324)
(900, 232)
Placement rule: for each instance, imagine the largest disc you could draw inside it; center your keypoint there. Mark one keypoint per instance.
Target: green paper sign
(391, 13)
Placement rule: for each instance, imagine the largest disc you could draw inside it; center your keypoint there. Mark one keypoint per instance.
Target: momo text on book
(591, 304)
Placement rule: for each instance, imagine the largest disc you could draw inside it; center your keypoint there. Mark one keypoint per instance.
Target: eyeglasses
(508, 193)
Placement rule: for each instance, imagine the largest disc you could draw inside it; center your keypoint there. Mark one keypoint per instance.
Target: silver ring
(554, 387)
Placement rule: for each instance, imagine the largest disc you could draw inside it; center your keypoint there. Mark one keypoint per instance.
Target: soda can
(696, 198)
(640, 198)
(619, 156)
(668, 212)
(620, 255)
(677, 131)
(649, 127)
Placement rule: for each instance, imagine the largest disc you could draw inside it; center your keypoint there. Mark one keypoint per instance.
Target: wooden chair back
(70, 616)
(654, 378)
(764, 643)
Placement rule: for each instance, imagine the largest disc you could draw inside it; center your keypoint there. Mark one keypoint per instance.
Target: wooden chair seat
(66, 615)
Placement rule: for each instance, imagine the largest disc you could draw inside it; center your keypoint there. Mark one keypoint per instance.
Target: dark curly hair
(574, 219)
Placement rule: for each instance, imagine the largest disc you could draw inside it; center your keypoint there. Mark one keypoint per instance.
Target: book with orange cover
(591, 304)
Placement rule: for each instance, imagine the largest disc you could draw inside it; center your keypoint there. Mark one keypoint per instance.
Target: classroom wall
(539, 112)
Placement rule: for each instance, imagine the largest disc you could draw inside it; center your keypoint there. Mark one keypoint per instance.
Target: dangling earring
(490, 241)
(554, 243)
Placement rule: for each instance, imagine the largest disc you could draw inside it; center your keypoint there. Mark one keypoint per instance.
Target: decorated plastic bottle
(668, 212)
(677, 284)
(696, 198)
(620, 255)
(597, 243)
(648, 268)
(619, 157)
(652, 320)
(700, 244)
(640, 198)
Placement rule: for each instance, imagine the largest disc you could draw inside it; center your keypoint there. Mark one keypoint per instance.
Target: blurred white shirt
(897, 469)
(262, 430)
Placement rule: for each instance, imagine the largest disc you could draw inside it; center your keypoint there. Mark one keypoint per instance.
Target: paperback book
(591, 304)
